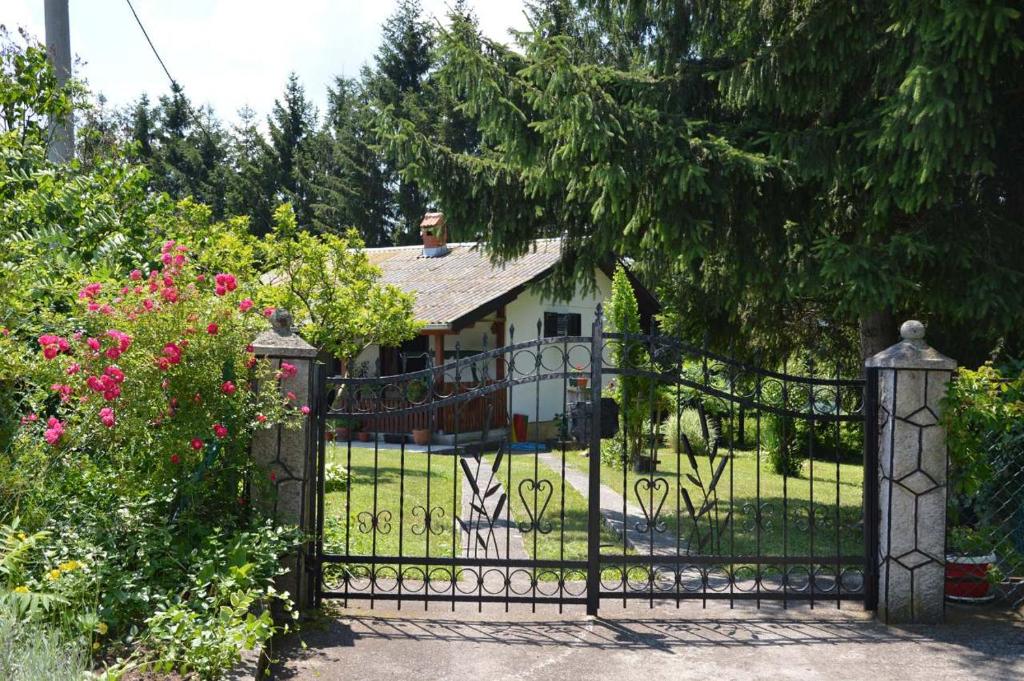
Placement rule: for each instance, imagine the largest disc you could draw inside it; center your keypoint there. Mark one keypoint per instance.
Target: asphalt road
(650, 645)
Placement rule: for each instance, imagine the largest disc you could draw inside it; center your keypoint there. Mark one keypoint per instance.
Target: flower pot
(364, 436)
(421, 436)
(967, 577)
(581, 382)
(341, 434)
(329, 436)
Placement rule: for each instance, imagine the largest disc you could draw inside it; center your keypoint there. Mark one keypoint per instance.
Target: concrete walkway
(716, 644)
(639, 536)
(491, 536)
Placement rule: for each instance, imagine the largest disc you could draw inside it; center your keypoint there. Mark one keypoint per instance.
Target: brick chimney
(434, 233)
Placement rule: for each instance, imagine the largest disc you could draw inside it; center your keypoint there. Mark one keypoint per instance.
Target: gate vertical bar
(594, 468)
(322, 405)
(871, 490)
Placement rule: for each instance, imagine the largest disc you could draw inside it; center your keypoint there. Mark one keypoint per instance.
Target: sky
(230, 53)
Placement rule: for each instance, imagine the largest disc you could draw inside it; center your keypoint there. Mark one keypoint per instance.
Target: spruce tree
(291, 124)
(767, 165)
(252, 187)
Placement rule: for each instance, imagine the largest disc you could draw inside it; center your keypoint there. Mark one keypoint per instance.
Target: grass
(746, 481)
(562, 523)
(401, 497)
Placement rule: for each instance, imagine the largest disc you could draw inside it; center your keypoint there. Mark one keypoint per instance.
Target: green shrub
(613, 451)
(782, 445)
(692, 425)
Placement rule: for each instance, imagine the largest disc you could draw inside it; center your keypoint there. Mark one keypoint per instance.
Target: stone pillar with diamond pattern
(912, 463)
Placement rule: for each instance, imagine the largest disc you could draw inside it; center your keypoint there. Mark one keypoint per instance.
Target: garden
(129, 394)
(771, 207)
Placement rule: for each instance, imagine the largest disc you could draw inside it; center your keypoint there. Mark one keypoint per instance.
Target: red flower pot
(342, 434)
(421, 436)
(364, 436)
(966, 577)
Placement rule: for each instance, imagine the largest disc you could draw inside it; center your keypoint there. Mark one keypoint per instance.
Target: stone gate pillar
(912, 380)
(285, 452)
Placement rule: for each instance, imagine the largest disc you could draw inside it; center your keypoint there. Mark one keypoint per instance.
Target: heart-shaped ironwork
(538, 488)
(651, 493)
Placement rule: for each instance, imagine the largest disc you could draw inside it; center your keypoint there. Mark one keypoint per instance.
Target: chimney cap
(432, 220)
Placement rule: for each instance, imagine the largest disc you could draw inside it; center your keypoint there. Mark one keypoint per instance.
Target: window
(561, 324)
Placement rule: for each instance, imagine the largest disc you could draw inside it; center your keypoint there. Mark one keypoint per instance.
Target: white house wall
(523, 313)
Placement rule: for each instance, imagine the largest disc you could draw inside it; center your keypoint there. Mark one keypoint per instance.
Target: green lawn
(400, 529)
(728, 527)
(562, 510)
(562, 523)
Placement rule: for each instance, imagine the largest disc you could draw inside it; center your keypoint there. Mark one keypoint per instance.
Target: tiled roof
(451, 287)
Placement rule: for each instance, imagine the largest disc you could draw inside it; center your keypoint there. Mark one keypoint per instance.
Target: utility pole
(58, 49)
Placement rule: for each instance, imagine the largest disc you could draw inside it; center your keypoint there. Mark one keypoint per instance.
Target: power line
(175, 86)
(151, 45)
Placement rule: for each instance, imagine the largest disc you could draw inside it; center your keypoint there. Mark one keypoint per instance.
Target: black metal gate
(696, 477)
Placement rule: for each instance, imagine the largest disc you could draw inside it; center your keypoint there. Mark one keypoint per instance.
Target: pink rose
(107, 417)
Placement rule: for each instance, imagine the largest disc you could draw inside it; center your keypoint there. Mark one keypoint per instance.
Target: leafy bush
(984, 419)
(129, 468)
(699, 431)
(779, 434)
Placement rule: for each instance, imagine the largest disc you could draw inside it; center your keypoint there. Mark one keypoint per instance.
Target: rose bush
(132, 454)
(154, 377)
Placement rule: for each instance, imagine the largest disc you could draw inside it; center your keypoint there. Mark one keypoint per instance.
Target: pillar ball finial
(912, 330)
(281, 321)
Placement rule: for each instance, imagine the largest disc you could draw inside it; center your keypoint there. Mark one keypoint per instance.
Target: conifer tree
(766, 164)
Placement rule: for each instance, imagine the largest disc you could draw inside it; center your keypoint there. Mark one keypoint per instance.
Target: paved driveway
(650, 645)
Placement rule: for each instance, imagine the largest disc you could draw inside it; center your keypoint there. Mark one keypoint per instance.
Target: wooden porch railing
(475, 414)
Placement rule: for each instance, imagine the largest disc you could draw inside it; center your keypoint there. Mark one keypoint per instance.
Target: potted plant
(970, 566)
(363, 435)
(421, 436)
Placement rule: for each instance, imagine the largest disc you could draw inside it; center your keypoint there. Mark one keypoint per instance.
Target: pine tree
(351, 188)
(396, 83)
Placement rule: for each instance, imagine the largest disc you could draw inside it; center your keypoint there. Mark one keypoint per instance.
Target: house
(468, 304)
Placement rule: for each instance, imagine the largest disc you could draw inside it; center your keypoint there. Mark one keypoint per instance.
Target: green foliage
(29, 93)
(698, 430)
(984, 419)
(766, 167)
(230, 584)
(328, 283)
(637, 396)
(782, 445)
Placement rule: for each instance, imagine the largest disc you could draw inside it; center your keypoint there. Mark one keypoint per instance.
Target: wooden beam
(499, 342)
(438, 348)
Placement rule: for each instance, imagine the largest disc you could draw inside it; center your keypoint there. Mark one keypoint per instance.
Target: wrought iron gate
(721, 480)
